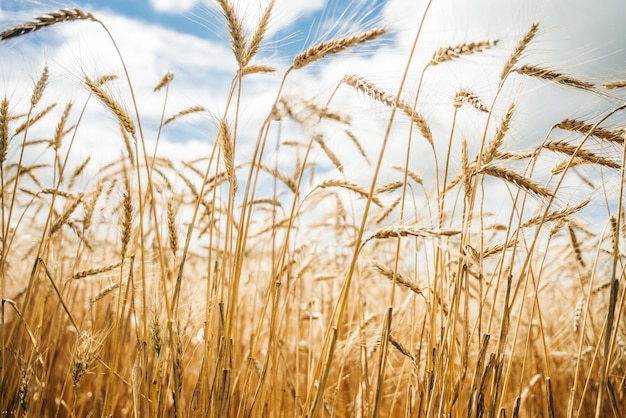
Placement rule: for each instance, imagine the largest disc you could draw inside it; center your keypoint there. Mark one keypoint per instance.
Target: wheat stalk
(48, 19)
(335, 46)
(453, 52)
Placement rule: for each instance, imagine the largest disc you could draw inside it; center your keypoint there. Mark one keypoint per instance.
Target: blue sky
(579, 37)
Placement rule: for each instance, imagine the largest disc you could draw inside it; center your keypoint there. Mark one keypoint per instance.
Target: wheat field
(242, 282)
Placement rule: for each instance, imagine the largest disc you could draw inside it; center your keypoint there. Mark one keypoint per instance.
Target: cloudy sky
(188, 37)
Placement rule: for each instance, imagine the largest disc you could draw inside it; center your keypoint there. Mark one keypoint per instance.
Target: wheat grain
(91, 204)
(172, 232)
(399, 278)
(285, 179)
(411, 231)
(259, 35)
(65, 216)
(165, 81)
(555, 215)
(256, 69)
(466, 172)
(31, 121)
(357, 143)
(40, 86)
(103, 79)
(60, 131)
(554, 76)
(369, 89)
(611, 135)
(189, 110)
(401, 348)
(49, 19)
(519, 50)
(389, 187)
(388, 210)
(78, 171)
(103, 293)
(453, 52)
(615, 85)
(493, 147)
(94, 271)
(466, 96)
(329, 153)
(224, 138)
(410, 173)
(418, 120)
(343, 184)
(113, 106)
(237, 40)
(580, 153)
(4, 130)
(575, 245)
(126, 220)
(335, 46)
(512, 177)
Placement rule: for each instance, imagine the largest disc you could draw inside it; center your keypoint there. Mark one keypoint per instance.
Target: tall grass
(125, 294)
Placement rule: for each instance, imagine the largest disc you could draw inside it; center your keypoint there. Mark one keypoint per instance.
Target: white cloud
(203, 71)
(173, 6)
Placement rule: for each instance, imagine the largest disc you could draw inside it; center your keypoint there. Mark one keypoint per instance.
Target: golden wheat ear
(49, 19)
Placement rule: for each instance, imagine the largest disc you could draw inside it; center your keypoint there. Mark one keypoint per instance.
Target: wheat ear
(113, 106)
(554, 76)
(4, 129)
(519, 50)
(616, 136)
(399, 278)
(453, 52)
(324, 49)
(259, 35)
(512, 177)
(466, 96)
(49, 19)
(166, 80)
(237, 40)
